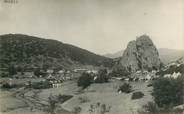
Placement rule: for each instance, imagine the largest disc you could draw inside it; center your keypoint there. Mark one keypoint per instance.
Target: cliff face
(140, 55)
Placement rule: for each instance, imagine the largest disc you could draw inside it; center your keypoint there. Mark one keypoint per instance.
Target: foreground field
(107, 94)
(34, 101)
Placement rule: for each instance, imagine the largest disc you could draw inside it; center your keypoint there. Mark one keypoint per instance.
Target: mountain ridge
(30, 51)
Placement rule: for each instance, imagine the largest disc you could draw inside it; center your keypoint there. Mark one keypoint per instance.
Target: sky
(100, 26)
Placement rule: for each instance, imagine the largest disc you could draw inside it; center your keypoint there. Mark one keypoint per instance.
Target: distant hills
(28, 51)
(166, 55)
(114, 55)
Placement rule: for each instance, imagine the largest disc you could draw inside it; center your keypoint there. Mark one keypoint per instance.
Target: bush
(102, 76)
(77, 110)
(149, 85)
(52, 104)
(85, 80)
(168, 91)
(10, 86)
(83, 99)
(137, 95)
(99, 108)
(126, 88)
(6, 86)
(151, 107)
(41, 85)
(63, 98)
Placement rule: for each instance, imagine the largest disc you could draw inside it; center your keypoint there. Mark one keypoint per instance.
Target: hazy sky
(100, 26)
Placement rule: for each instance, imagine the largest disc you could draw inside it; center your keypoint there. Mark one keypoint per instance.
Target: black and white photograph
(91, 56)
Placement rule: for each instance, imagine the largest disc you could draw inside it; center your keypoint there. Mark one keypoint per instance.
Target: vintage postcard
(91, 56)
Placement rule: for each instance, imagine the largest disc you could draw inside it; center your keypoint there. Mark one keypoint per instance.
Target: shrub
(6, 86)
(168, 91)
(10, 86)
(99, 108)
(149, 85)
(151, 107)
(83, 99)
(41, 85)
(63, 98)
(85, 80)
(126, 88)
(102, 76)
(77, 110)
(52, 104)
(137, 95)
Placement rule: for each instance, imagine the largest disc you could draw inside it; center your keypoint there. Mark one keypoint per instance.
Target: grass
(105, 93)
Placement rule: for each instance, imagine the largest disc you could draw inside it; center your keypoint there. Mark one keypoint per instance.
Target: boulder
(140, 55)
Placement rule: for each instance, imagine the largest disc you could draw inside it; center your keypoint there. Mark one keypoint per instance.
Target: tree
(102, 76)
(77, 110)
(137, 95)
(168, 92)
(126, 88)
(52, 104)
(12, 70)
(85, 80)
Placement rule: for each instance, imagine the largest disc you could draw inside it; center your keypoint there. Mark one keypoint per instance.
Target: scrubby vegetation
(125, 88)
(168, 91)
(63, 98)
(150, 107)
(7, 85)
(77, 110)
(150, 85)
(85, 80)
(99, 108)
(52, 104)
(153, 108)
(30, 52)
(83, 99)
(137, 95)
(102, 76)
(41, 85)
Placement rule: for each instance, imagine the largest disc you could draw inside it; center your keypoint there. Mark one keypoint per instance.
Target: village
(54, 79)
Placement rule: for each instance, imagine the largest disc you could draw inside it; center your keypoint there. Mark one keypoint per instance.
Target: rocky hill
(27, 51)
(166, 55)
(140, 54)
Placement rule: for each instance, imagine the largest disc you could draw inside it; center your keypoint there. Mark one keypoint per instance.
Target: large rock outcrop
(140, 55)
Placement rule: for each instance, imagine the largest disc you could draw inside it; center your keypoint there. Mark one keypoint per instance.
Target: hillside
(27, 51)
(114, 55)
(168, 55)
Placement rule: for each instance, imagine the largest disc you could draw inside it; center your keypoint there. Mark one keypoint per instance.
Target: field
(34, 101)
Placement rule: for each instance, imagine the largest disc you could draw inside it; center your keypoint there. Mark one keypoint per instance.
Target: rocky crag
(140, 54)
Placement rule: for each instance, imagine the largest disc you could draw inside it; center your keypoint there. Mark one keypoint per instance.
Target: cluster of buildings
(57, 78)
(139, 76)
